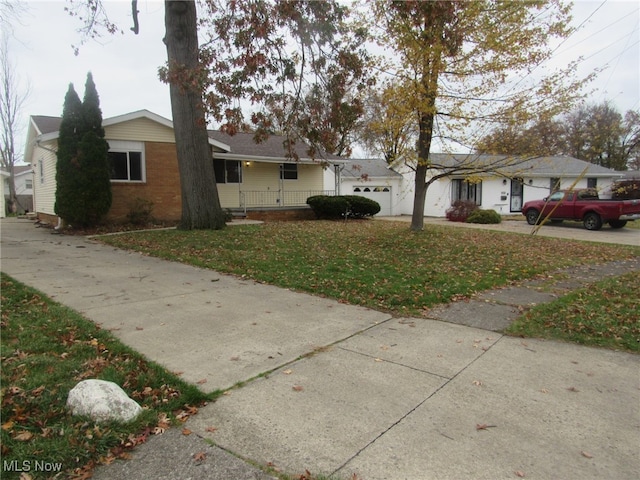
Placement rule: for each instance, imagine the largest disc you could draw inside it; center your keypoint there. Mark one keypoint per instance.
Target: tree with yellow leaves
(459, 67)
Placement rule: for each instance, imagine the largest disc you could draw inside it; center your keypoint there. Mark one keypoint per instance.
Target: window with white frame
(466, 191)
(126, 160)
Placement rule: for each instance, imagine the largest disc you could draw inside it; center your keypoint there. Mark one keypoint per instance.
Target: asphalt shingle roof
(555, 166)
(273, 147)
(47, 124)
(368, 168)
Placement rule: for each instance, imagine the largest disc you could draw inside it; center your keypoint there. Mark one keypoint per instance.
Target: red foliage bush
(460, 210)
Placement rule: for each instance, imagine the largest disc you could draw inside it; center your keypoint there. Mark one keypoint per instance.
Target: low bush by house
(484, 216)
(341, 206)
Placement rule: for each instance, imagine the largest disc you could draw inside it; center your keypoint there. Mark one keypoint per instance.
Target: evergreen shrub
(339, 206)
(484, 216)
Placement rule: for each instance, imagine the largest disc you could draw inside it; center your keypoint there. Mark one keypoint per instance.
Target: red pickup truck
(582, 206)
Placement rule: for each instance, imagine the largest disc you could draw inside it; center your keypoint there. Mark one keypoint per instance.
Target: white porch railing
(278, 198)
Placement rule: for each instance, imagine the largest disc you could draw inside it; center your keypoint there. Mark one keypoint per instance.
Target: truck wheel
(617, 223)
(592, 221)
(532, 216)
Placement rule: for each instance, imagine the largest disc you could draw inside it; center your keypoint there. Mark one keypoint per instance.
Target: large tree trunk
(200, 202)
(419, 198)
(424, 148)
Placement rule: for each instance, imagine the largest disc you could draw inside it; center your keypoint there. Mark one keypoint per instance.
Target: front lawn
(606, 314)
(45, 350)
(382, 265)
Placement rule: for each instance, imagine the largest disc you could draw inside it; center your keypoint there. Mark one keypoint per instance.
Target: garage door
(380, 194)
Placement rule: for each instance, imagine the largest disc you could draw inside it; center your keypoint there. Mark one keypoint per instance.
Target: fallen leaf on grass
(23, 436)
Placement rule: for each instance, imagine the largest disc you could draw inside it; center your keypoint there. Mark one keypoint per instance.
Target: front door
(517, 188)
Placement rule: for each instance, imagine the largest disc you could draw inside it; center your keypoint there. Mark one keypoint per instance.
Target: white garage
(379, 193)
(370, 178)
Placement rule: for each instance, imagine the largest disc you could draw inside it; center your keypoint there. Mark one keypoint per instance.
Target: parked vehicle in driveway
(582, 206)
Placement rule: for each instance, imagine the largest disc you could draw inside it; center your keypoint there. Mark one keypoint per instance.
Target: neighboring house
(528, 180)
(3, 176)
(253, 178)
(23, 178)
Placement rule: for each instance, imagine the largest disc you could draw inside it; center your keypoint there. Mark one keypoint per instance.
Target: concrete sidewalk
(351, 390)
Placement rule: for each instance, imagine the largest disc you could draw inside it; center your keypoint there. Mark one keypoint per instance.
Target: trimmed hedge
(341, 206)
(484, 216)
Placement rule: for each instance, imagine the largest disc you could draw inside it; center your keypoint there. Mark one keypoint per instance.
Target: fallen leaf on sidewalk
(186, 431)
(139, 328)
(519, 473)
(201, 381)
(484, 426)
(288, 371)
(210, 429)
(199, 457)
(573, 389)
(586, 454)
(297, 388)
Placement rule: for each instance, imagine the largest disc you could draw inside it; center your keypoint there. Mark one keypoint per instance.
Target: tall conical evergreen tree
(91, 113)
(67, 163)
(93, 156)
(83, 193)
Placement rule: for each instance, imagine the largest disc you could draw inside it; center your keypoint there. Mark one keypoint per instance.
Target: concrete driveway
(569, 230)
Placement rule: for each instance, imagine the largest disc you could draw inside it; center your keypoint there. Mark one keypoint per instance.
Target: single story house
(257, 179)
(23, 178)
(505, 192)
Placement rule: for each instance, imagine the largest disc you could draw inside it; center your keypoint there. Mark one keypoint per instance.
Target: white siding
(44, 180)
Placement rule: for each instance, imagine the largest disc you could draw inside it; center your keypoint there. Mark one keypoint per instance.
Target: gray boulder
(102, 401)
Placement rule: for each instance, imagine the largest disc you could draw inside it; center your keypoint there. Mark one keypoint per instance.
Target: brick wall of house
(278, 215)
(162, 186)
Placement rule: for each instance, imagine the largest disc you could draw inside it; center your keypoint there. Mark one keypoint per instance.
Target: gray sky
(124, 67)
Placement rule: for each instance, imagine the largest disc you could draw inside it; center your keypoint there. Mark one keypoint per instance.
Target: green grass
(45, 350)
(382, 265)
(606, 315)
